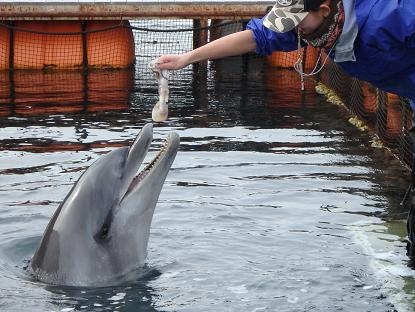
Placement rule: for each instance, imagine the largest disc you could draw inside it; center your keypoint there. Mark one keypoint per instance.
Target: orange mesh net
(66, 44)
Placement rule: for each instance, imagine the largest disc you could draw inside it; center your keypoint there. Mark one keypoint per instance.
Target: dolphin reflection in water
(98, 236)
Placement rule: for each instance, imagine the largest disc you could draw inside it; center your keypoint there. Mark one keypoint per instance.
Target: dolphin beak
(154, 174)
(135, 157)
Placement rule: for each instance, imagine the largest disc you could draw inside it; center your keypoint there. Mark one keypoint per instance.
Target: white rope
(298, 65)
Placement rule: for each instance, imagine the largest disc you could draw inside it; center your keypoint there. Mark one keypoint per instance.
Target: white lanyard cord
(298, 65)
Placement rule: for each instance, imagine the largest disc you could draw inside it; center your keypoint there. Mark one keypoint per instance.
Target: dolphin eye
(103, 233)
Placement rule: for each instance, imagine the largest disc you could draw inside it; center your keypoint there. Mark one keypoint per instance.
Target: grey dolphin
(98, 235)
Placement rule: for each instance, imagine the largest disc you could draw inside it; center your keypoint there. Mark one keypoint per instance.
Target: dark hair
(311, 5)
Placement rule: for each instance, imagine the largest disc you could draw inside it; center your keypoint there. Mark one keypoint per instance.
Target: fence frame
(133, 10)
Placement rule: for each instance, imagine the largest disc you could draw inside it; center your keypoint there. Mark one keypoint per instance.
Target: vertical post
(84, 46)
(200, 32)
(11, 45)
(11, 65)
(200, 38)
(84, 65)
(245, 57)
(214, 32)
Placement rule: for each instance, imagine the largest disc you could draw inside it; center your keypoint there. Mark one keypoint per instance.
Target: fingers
(170, 62)
(166, 62)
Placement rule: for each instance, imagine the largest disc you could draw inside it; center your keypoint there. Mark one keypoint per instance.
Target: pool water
(274, 202)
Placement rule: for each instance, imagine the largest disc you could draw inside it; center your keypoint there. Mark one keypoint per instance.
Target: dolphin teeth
(143, 173)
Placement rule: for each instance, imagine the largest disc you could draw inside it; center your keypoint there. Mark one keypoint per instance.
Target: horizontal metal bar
(129, 10)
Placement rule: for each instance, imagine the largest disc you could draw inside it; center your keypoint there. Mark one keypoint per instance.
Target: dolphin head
(99, 233)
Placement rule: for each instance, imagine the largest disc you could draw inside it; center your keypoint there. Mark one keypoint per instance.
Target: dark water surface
(274, 203)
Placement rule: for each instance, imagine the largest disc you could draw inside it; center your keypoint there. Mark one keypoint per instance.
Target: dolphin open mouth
(171, 142)
(143, 173)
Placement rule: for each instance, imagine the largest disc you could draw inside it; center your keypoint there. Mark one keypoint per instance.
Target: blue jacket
(377, 43)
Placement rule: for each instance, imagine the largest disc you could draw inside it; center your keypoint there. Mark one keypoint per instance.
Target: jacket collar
(344, 50)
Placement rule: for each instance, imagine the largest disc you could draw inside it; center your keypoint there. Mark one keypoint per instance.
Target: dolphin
(98, 236)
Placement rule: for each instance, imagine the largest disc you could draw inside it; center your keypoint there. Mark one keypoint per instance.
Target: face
(313, 21)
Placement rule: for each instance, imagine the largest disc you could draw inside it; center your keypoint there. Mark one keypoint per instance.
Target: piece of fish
(160, 110)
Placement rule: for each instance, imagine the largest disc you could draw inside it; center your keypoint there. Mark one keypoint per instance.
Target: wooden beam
(133, 10)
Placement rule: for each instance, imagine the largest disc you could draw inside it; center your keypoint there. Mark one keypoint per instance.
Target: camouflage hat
(285, 15)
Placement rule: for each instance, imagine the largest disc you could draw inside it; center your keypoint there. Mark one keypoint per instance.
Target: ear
(325, 9)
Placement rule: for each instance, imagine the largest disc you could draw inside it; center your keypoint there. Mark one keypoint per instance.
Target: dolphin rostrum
(98, 235)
